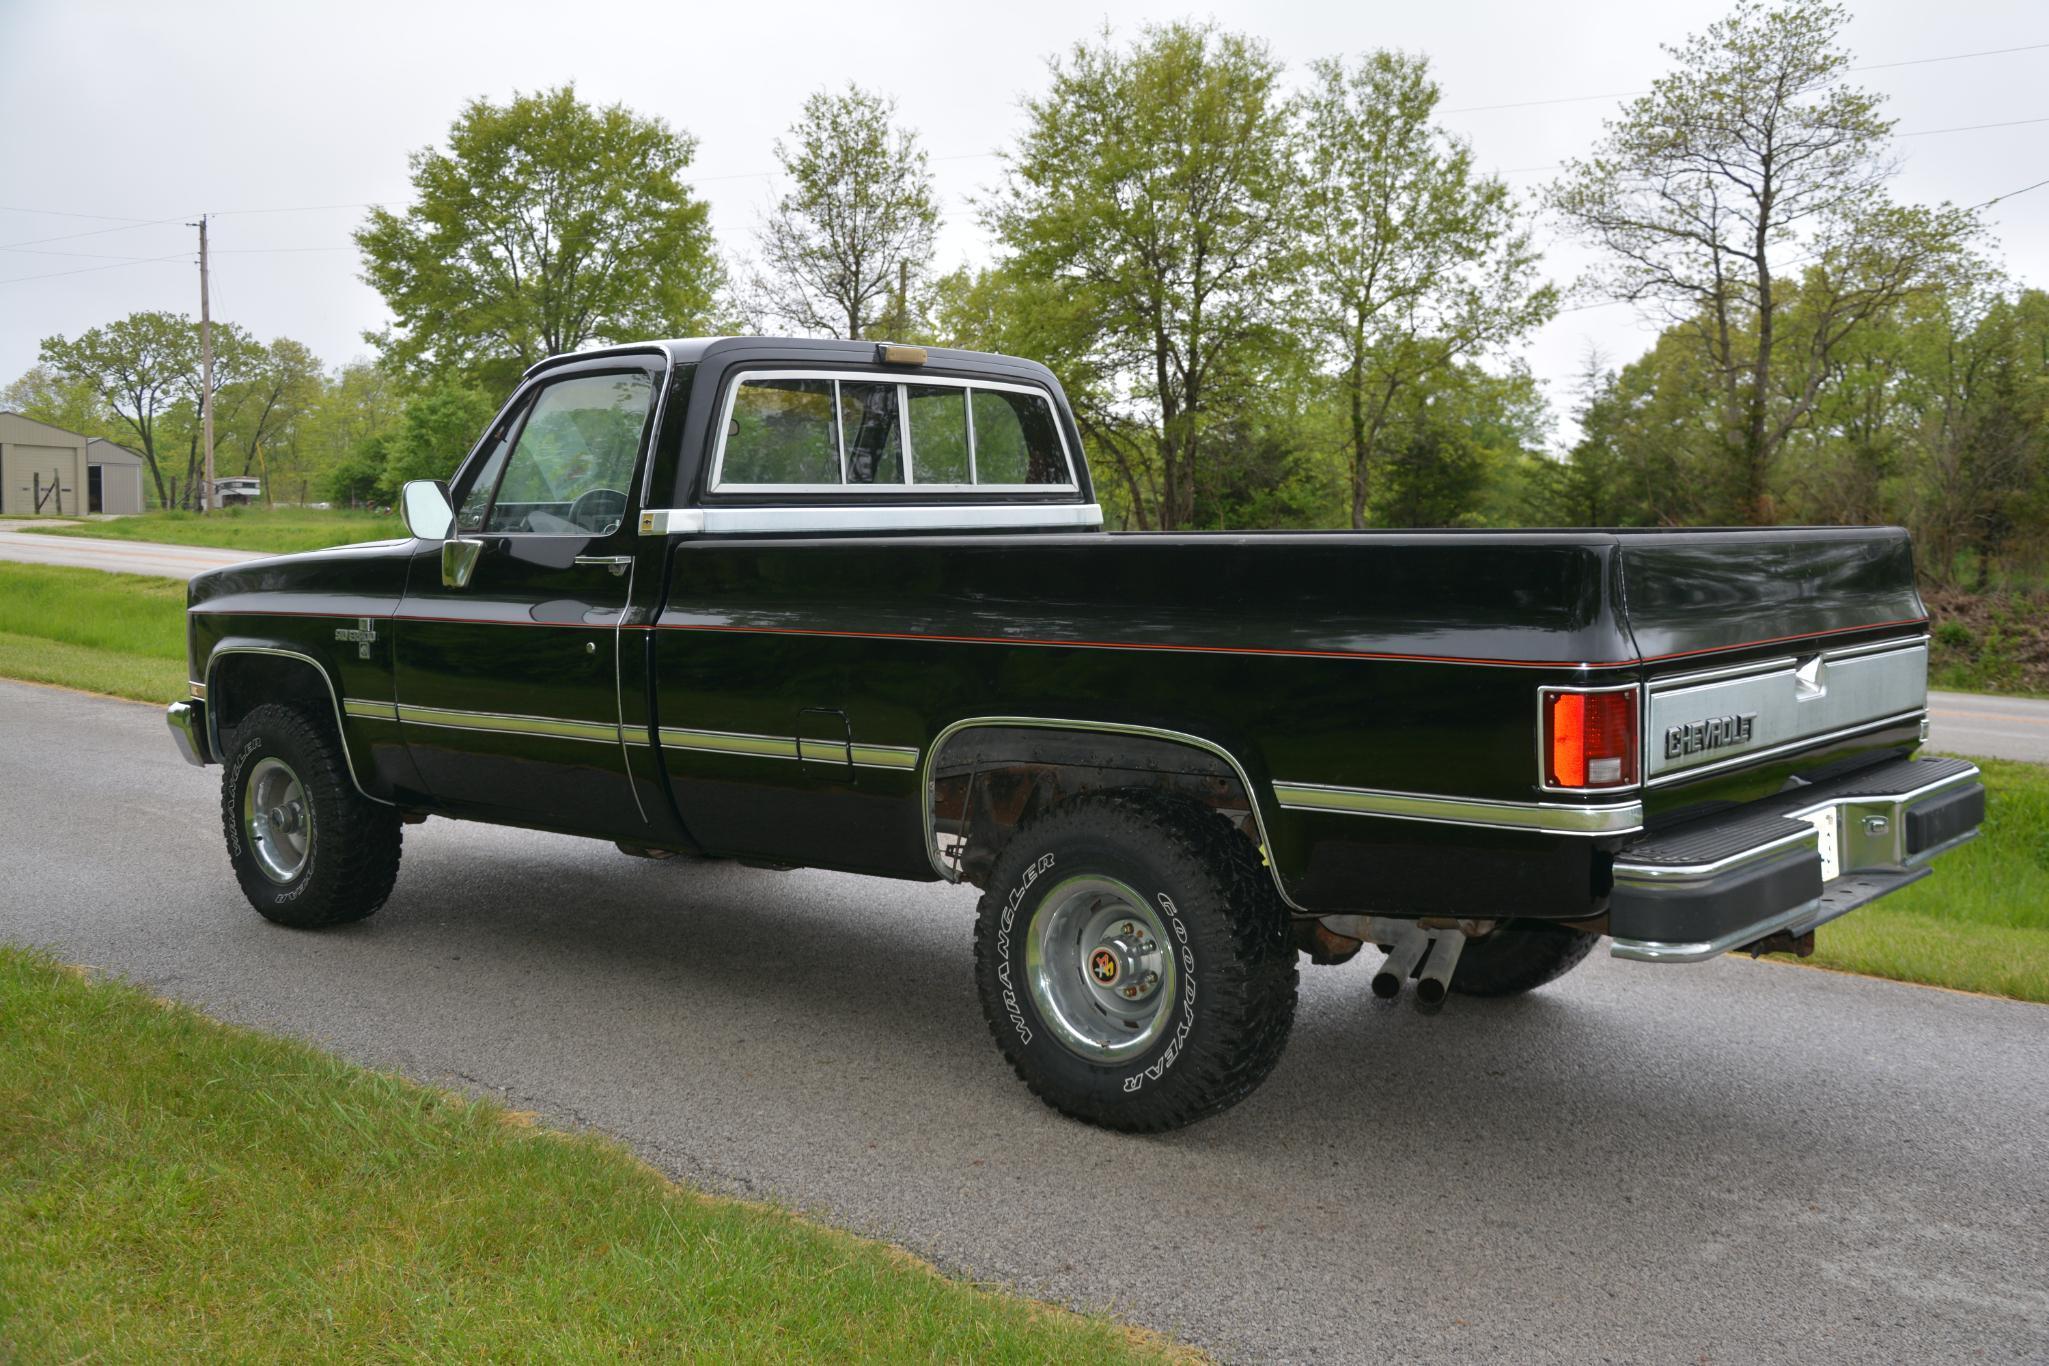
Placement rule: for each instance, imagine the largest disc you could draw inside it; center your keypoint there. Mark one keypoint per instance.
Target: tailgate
(1825, 621)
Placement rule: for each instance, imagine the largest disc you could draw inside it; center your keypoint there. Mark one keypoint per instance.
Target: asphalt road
(2003, 727)
(126, 557)
(1735, 1162)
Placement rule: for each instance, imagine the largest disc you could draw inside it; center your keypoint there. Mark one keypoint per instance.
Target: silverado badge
(363, 635)
(1712, 733)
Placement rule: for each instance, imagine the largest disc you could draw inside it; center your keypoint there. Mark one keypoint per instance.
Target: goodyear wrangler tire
(1134, 961)
(1520, 956)
(309, 850)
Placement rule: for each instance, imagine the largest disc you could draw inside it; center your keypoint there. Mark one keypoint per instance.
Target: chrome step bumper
(1790, 862)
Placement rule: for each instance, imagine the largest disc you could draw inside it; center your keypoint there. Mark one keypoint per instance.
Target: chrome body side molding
(1556, 818)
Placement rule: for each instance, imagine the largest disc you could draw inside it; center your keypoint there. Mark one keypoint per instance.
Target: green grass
(1981, 923)
(122, 634)
(277, 530)
(172, 1187)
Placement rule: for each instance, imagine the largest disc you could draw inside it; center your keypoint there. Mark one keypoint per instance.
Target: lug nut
(1152, 979)
(1131, 991)
(1129, 928)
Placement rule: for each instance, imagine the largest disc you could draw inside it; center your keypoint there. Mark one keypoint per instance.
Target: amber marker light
(1589, 738)
(889, 353)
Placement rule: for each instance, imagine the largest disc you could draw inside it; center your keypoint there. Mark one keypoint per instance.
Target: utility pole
(206, 371)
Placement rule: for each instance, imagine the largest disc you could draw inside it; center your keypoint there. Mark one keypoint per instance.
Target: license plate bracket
(1828, 839)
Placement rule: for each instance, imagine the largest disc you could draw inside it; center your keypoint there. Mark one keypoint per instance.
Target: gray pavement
(2003, 727)
(125, 557)
(1735, 1162)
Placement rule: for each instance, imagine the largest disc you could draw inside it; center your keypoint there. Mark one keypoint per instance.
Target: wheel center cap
(1105, 967)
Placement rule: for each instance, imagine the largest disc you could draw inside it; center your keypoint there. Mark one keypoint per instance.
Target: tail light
(1589, 738)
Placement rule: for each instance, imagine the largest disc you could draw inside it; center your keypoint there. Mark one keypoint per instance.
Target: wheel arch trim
(213, 722)
(927, 791)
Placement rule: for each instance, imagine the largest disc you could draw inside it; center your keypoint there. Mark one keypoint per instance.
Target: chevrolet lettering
(855, 606)
(1713, 733)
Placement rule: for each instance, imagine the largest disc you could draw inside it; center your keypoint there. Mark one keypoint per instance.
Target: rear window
(822, 432)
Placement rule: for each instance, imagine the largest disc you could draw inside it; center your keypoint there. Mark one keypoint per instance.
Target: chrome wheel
(277, 820)
(1100, 968)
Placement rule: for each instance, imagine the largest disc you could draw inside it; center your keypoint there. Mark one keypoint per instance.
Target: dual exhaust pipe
(1429, 956)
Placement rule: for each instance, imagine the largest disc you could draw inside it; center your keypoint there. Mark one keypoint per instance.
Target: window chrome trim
(925, 782)
(815, 519)
(1554, 818)
(908, 485)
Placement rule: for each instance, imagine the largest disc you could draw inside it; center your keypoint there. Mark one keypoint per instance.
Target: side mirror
(425, 509)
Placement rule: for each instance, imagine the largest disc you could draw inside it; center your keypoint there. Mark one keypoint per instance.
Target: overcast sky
(287, 119)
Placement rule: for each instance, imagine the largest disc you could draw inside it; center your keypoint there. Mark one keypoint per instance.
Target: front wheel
(1134, 961)
(309, 849)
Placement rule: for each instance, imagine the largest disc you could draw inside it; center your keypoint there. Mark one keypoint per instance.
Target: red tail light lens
(1589, 738)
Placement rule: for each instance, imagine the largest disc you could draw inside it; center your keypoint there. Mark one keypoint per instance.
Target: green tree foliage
(1751, 157)
(1154, 186)
(68, 401)
(258, 415)
(547, 224)
(845, 250)
(437, 430)
(1414, 262)
(142, 365)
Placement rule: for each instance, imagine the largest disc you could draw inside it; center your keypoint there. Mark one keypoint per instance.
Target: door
(92, 489)
(508, 686)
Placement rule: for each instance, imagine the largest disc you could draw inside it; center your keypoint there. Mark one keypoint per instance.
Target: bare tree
(1751, 158)
(841, 251)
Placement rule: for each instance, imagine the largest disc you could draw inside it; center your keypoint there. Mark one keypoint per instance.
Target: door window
(573, 460)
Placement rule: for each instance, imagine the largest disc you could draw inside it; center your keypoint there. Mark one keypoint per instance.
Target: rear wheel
(308, 849)
(1134, 961)
(1520, 956)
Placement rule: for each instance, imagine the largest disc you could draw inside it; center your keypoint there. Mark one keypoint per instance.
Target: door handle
(618, 564)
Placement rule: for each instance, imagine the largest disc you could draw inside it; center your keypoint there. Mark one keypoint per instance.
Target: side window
(1016, 441)
(781, 432)
(872, 427)
(939, 434)
(573, 462)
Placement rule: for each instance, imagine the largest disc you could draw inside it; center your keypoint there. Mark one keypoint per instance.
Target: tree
(546, 225)
(1754, 155)
(142, 365)
(843, 249)
(68, 401)
(437, 430)
(283, 382)
(1153, 187)
(1415, 263)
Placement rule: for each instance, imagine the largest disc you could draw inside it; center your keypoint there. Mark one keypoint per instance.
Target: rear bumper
(187, 721)
(1789, 862)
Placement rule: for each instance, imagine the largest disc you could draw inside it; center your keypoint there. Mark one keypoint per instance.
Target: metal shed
(42, 468)
(113, 477)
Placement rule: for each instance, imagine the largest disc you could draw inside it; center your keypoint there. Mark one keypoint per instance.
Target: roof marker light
(891, 353)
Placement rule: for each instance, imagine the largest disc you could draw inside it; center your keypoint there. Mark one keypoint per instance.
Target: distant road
(2002, 727)
(122, 557)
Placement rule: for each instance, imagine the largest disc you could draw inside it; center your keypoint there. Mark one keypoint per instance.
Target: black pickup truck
(851, 605)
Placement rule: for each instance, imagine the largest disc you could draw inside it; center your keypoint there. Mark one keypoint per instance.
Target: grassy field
(278, 530)
(122, 634)
(174, 1187)
(1981, 923)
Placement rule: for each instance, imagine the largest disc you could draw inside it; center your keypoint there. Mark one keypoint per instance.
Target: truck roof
(814, 350)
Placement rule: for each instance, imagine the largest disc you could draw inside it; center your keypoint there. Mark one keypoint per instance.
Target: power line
(90, 232)
(86, 270)
(1632, 94)
(1968, 128)
(69, 213)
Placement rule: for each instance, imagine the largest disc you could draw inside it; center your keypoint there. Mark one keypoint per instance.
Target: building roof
(100, 451)
(9, 416)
